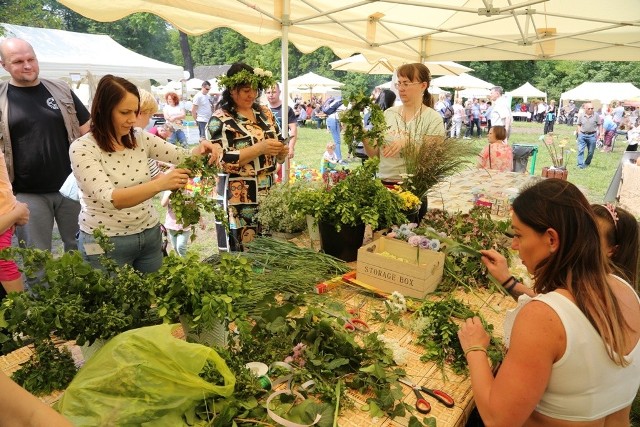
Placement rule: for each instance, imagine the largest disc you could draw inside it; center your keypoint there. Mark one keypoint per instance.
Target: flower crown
(259, 79)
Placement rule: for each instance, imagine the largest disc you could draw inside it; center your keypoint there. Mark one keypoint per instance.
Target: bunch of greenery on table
(356, 199)
(187, 204)
(467, 233)
(318, 348)
(273, 212)
(352, 121)
(49, 369)
(430, 159)
(198, 293)
(438, 333)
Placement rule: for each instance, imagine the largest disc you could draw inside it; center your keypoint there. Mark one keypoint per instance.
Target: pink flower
(414, 240)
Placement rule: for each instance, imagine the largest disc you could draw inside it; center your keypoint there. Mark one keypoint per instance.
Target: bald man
(39, 119)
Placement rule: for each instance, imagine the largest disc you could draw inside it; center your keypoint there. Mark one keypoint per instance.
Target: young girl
(329, 158)
(497, 155)
(12, 213)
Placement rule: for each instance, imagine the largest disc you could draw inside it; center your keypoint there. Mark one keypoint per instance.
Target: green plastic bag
(143, 377)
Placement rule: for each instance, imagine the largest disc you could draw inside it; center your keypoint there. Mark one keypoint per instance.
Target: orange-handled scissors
(439, 395)
(350, 324)
(422, 405)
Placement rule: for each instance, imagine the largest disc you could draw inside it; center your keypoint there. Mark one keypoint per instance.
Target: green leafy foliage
(440, 334)
(359, 198)
(187, 205)
(75, 301)
(474, 231)
(351, 119)
(48, 370)
(274, 214)
(200, 292)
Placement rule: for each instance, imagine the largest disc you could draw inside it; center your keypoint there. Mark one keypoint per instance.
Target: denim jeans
(476, 123)
(202, 126)
(179, 240)
(334, 127)
(44, 209)
(588, 142)
(178, 138)
(143, 251)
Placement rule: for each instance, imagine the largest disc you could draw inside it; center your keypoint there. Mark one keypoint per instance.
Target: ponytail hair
(420, 72)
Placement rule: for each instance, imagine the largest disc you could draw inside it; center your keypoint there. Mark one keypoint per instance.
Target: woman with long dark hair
(249, 134)
(111, 166)
(574, 348)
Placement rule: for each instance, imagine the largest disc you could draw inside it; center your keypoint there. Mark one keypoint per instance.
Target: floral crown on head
(259, 79)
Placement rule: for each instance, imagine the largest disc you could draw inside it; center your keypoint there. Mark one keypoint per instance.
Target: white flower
(268, 73)
(258, 71)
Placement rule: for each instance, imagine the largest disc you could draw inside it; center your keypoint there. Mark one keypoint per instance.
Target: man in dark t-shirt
(40, 119)
(275, 105)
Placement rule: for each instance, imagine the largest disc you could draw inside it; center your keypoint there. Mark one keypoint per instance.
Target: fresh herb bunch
(473, 231)
(49, 369)
(200, 292)
(273, 212)
(75, 301)
(187, 205)
(351, 118)
(359, 198)
(440, 334)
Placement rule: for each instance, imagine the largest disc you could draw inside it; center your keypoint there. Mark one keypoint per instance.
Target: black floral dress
(240, 187)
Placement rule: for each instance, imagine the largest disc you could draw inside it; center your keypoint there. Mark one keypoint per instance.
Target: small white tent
(76, 57)
(527, 90)
(603, 92)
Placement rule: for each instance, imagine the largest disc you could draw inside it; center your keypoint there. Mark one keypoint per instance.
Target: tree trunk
(186, 53)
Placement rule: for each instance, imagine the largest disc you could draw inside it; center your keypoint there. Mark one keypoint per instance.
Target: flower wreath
(352, 120)
(259, 79)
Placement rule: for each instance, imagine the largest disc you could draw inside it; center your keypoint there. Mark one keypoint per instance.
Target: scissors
(439, 395)
(350, 324)
(422, 405)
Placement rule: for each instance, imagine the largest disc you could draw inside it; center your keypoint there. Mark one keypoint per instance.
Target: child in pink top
(496, 155)
(12, 213)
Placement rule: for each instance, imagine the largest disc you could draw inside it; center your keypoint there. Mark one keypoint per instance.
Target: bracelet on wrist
(512, 285)
(506, 282)
(475, 348)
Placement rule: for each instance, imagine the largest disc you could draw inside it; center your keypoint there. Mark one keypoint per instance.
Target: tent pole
(286, 8)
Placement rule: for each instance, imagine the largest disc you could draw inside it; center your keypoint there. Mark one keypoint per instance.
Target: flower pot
(341, 244)
(553, 172)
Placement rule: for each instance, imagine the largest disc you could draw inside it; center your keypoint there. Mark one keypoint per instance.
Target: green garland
(351, 118)
(259, 79)
(186, 205)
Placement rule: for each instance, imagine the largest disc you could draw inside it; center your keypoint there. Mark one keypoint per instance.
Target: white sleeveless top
(585, 384)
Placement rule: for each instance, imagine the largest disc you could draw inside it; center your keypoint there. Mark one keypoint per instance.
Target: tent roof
(462, 81)
(313, 80)
(603, 92)
(416, 30)
(527, 90)
(62, 53)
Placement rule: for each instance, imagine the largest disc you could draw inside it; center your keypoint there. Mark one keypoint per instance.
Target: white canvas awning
(77, 56)
(527, 90)
(603, 92)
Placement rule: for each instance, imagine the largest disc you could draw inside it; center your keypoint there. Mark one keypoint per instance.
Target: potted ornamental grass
(345, 204)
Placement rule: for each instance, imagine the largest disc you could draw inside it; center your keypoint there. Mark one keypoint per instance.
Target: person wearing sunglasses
(588, 128)
(408, 123)
(202, 108)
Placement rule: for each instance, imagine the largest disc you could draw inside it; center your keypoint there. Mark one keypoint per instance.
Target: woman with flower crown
(249, 134)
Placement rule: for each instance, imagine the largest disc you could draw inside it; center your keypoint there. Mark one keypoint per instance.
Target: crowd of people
(573, 341)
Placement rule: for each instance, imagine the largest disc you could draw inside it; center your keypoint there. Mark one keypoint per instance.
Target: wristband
(511, 286)
(503, 284)
(475, 348)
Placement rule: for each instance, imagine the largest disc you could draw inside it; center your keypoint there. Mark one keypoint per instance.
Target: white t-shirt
(99, 173)
(203, 104)
(500, 112)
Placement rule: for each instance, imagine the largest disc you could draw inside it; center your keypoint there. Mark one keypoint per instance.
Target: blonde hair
(148, 103)
(331, 145)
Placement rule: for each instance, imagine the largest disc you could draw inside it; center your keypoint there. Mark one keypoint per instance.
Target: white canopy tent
(527, 90)
(361, 64)
(603, 92)
(87, 57)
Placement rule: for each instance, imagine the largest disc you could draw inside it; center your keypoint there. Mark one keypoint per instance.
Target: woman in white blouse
(110, 165)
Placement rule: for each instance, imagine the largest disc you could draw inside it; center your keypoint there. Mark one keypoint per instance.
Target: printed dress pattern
(241, 187)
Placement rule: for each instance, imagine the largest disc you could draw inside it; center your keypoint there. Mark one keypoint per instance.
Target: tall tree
(186, 53)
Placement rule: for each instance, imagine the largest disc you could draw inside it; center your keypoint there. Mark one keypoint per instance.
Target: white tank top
(585, 384)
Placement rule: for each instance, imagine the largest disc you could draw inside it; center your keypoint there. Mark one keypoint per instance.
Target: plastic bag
(143, 377)
(70, 188)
